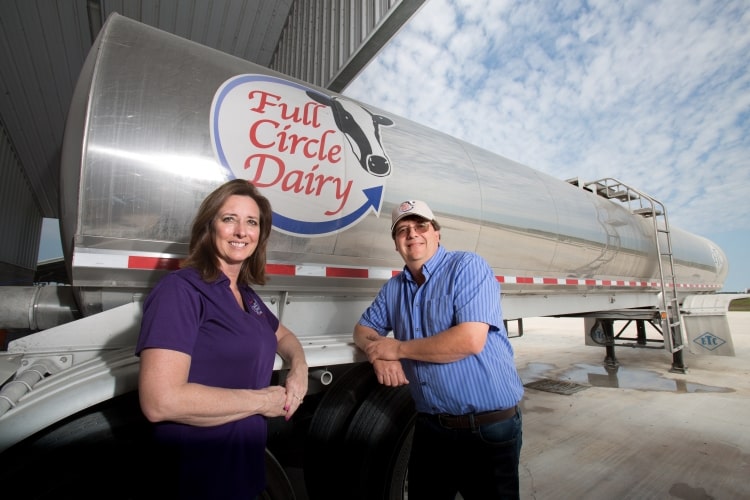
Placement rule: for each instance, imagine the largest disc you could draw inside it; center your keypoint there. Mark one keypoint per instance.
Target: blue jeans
(480, 463)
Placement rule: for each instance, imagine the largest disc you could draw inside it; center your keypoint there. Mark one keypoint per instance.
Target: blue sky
(653, 93)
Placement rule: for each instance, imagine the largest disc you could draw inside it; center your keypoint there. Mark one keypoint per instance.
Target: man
(450, 345)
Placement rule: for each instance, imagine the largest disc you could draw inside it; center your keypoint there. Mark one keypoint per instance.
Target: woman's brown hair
(202, 251)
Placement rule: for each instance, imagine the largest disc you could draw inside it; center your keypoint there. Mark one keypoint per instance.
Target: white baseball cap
(410, 207)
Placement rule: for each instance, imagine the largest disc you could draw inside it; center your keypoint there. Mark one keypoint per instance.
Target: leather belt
(473, 420)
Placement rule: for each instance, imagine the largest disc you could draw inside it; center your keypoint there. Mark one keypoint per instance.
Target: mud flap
(706, 324)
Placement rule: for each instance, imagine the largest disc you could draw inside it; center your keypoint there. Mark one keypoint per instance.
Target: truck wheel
(278, 486)
(359, 439)
(379, 443)
(105, 453)
(324, 444)
(102, 453)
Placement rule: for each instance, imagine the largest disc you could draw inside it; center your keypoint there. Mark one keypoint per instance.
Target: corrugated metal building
(43, 44)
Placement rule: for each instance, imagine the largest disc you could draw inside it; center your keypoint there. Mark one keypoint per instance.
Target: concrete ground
(640, 432)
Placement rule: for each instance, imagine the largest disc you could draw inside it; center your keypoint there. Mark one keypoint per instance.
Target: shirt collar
(431, 265)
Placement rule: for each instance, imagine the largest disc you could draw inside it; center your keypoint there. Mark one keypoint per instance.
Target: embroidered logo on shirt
(256, 308)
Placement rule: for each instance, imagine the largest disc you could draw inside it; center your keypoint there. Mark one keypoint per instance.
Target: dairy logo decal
(317, 158)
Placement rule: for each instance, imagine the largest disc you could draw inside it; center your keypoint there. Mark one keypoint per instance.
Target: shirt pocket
(438, 314)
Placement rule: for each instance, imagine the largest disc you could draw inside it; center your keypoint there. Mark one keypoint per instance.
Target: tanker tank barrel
(332, 184)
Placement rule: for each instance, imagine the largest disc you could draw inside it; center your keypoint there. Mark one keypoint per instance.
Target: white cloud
(654, 93)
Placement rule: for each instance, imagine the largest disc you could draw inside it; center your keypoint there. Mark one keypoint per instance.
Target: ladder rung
(647, 212)
(623, 195)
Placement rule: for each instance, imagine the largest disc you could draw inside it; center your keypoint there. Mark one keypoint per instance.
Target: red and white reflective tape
(329, 271)
(522, 280)
(154, 262)
(535, 280)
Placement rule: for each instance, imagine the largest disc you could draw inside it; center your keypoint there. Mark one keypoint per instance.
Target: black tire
(278, 486)
(101, 453)
(105, 452)
(379, 444)
(324, 445)
(359, 439)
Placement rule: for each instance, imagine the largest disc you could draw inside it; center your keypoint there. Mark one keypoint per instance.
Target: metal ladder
(639, 203)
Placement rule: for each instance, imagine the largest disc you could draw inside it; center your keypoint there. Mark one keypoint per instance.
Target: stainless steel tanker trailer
(157, 122)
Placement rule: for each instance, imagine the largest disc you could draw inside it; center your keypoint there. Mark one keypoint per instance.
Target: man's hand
(385, 348)
(389, 373)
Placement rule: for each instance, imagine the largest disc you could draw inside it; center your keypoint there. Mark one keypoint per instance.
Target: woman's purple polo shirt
(229, 348)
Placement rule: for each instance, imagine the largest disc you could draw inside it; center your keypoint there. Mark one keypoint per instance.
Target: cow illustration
(362, 131)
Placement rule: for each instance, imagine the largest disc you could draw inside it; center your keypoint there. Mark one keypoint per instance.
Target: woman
(207, 347)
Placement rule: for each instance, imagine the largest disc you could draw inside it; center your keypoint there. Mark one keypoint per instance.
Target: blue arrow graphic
(373, 194)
